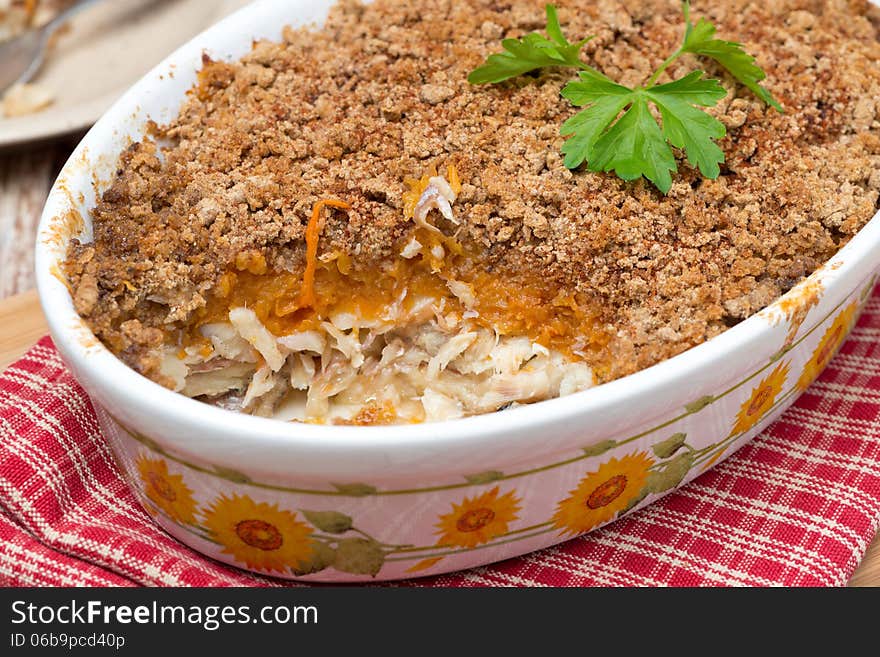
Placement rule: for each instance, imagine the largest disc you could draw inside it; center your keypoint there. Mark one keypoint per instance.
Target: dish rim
(97, 365)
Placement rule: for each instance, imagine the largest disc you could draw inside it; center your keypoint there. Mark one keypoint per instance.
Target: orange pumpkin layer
(512, 303)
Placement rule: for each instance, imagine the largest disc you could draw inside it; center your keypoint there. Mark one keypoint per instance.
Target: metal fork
(22, 56)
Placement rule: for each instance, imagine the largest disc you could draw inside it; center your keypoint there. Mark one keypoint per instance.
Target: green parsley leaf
(687, 127)
(617, 130)
(604, 100)
(634, 145)
(699, 40)
(554, 29)
(531, 52)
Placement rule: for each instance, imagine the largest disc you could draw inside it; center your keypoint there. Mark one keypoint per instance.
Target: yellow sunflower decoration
(424, 564)
(601, 495)
(827, 346)
(478, 520)
(167, 491)
(258, 534)
(761, 400)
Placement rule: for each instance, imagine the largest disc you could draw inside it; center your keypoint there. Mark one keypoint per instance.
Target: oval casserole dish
(337, 503)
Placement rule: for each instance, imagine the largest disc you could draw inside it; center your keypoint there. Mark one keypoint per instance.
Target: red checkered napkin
(798, 506)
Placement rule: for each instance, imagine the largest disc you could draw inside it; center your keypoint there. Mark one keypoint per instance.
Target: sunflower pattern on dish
(167, 491)
(828, 346)
(479, 519)
(258, 534)
(424, 564)
(761, 400)
(602, 494)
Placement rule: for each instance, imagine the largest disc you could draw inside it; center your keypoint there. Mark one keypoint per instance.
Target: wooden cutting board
(22, 323)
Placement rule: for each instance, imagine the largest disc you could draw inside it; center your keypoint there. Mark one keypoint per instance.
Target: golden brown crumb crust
(380, 94)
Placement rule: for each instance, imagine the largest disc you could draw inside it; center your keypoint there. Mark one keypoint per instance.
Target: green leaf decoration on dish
(232, 475)
(322, 556)
(779, 354)
(600, 448)
(355, 490)
(699, 404)
(869, 287)
(359, 556)
(670, 446)
(205, 534)
(484, 477)
(149, 443)
(331, 522)
(634, 502)
(671, 474)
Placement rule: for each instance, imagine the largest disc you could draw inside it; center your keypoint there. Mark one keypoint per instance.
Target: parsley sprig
(616, 130)
(531, 52)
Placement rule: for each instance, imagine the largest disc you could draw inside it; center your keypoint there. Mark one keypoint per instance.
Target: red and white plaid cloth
(797, 507)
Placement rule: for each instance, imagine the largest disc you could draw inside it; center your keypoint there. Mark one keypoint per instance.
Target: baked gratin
(340, 228)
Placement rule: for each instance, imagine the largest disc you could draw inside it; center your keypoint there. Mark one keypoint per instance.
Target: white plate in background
(104, 50)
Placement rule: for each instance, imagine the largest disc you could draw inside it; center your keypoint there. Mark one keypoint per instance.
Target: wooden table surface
(26, 174)
(25, 178)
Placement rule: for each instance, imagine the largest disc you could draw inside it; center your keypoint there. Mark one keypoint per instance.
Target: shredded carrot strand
(454, 180)
(313, 232)
(30, 10)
